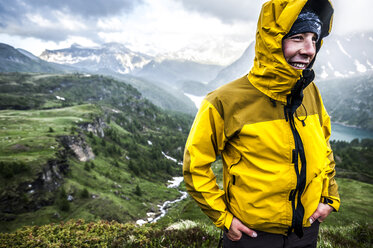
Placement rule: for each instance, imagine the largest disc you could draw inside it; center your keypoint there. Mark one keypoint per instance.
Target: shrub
(10, 169)
(84, 193)
(138, 190)
(116, 164)
(87, 166)
(133, 167)
(106, 234)
(62, 203)
(90, 134)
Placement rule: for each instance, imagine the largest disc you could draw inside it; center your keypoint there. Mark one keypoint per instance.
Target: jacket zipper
(298, 152)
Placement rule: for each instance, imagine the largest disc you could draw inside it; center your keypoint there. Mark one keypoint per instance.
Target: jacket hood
(271, 74)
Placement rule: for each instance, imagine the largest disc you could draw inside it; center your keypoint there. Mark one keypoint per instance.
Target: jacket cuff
(228, 221)
(332, 201)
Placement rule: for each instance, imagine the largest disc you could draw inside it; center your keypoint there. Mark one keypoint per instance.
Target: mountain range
(19, 60)
(177, 84)
(340, 57)
(114, 58)
(345, 56)
(349, 100)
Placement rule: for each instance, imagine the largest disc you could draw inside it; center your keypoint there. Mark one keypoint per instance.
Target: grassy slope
(30, 137)
(356, 203)
(25, 128)
(25, 137)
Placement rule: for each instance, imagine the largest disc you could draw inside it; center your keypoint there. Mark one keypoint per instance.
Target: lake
(345, 133)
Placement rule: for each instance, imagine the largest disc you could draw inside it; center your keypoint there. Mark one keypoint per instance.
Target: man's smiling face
(300, 49)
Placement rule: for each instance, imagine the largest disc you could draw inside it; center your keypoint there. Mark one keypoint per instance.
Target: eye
(296, 37)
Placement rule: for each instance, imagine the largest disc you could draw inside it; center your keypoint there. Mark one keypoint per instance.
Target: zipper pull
(286, 114)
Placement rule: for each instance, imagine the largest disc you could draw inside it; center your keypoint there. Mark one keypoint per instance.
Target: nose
(309, 47)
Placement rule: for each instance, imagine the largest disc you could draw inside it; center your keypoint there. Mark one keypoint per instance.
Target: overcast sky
(211, 31)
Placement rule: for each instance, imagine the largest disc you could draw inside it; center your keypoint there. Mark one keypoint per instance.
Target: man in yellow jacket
(272, 132)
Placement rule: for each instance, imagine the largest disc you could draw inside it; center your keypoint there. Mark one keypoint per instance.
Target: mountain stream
(174, 183)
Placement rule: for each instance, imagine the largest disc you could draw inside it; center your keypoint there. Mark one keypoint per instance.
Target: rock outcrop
(40, 189)
(78, 147)
(97, 127)
(30, 196)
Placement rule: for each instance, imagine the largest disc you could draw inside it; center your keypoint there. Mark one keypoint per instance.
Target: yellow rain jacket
(277, 167)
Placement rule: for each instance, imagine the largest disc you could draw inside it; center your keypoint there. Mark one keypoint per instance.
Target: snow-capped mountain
(115, 58)
(110, 57)
(340, 57)
(345, 56)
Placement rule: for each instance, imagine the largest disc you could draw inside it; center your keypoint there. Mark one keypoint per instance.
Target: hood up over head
(271, 73)
(307, 21)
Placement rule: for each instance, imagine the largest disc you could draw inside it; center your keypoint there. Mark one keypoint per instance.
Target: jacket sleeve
(330, 188)
(206, 140)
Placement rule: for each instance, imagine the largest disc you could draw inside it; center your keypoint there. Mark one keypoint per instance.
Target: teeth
(299, 65)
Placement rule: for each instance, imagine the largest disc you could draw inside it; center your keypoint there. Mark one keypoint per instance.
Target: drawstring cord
(295, 98)
(304, 120)
(296, 114)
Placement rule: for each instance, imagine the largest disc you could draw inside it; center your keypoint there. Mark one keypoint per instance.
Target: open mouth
(298, 65)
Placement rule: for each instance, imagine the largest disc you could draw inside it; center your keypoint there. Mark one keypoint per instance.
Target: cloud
(166, 28)
(226, 11)
(83, 8)
(56, 20)
(352, 16)
(349, 15)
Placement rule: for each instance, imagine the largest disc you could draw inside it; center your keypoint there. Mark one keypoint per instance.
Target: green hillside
(77, 146)
(354, 159)
(83, 157)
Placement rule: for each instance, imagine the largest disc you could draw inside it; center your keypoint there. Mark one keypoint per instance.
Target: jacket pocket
(231, 157)
(325, 182)
(230, 184)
